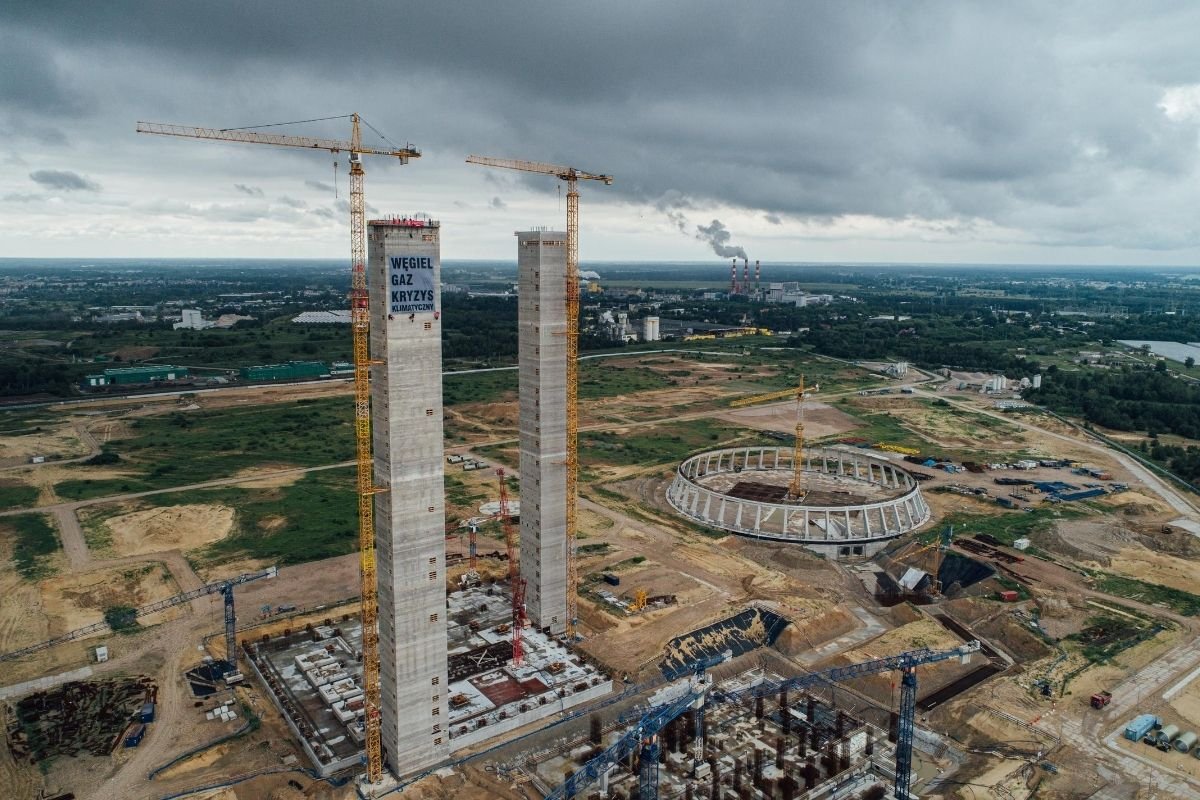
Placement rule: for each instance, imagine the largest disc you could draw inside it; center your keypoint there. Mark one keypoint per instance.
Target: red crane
(514, 573)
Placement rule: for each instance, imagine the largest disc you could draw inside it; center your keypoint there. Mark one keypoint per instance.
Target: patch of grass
(594, 549)
(15, 494)
(597, 379)
(183, 448)
(626, 564)
(1009, 526)
(1179, 601)
(662, 444)
(122, 619)
(321, 519)
(479, 387)
(1106, 635)
(87, 488)
(36, 542)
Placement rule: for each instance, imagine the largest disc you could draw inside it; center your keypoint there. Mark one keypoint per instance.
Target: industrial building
(193, 320)
(132, 376)
(404, 257)
(542, 350)
(292, 370)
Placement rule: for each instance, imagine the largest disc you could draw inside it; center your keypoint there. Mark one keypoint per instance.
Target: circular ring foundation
(854, 501)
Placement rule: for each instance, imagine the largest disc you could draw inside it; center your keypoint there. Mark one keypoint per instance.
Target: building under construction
(542, 348)
(404, 263)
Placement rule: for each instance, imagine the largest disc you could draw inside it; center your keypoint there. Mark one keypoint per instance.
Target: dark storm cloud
(497, 204)
(1040, 118)
(292, 202)
(63, 180)
(320, 186)
(252, 191)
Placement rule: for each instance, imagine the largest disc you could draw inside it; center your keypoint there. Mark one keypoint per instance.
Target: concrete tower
(404, 273)
(542, 348)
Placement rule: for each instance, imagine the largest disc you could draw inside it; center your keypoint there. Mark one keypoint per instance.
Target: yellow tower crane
(572, 176)
(796, 487)
(360, 325)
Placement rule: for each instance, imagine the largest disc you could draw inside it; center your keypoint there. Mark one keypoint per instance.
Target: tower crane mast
(360, 326)
(572, 176)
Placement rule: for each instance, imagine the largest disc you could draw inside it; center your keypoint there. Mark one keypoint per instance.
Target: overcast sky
(1063, 132)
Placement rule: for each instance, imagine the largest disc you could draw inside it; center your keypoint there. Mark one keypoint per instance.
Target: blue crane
(695, 693)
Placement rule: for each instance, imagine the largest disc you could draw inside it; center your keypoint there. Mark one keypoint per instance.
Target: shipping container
(1009, 596)
(1140, 726)
(147, 713)
(134, 738)
(611, 580)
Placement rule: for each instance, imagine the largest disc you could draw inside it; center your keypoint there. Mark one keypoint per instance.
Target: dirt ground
(820, 419)
(22, 619)
(74, 601)
(1117, 549)
(153, 530)
(59, 440)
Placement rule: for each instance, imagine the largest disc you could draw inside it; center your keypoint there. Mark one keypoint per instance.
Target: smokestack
(757, 276)
(733, 277)
(746, 276)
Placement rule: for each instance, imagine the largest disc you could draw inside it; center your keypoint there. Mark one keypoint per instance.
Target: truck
(1101, 699)
(135, 736)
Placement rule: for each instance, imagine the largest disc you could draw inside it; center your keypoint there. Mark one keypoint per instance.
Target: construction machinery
(640, 597)
(572, 176)
(643, 736)
(223, 588)
(515, 582)
(360, 326)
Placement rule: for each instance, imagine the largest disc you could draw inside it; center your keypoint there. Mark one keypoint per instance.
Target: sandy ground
(61, 440)
(22, 618)
(272, 482)
(820, 420)
(1110, 546)
(74, 601)
(153, 530)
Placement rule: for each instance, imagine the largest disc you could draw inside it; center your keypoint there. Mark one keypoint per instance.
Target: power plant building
(404, 269)
(650, 331)
(542, 348)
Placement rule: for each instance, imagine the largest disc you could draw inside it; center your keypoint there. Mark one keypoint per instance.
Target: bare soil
(153, 530)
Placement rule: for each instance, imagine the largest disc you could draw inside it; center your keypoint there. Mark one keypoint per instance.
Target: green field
(479, 387)
(1184, 603)
(668, 443)
(184, 448)
(15, 494)
(320, 519)
(34, 541)
(1007, 527)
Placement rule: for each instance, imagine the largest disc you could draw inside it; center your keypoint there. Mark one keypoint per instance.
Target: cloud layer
(1058, 131)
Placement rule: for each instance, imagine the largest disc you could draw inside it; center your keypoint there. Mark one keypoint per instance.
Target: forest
(1127, 399)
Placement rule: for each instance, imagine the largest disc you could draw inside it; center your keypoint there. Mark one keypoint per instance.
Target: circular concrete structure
(854, 501)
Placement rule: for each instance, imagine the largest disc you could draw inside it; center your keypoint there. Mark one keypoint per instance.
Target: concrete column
(406, 418)
(542, 348)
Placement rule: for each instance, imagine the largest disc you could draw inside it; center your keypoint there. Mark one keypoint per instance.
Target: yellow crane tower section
(572, 176)
(360, 325)
(796, 487)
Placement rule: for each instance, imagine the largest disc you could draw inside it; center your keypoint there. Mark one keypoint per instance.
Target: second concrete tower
(542, 348)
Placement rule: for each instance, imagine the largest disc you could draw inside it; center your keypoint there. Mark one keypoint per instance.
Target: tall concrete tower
(404, 273)
(542, 348)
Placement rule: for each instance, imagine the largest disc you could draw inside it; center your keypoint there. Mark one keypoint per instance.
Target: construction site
(740, 586)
